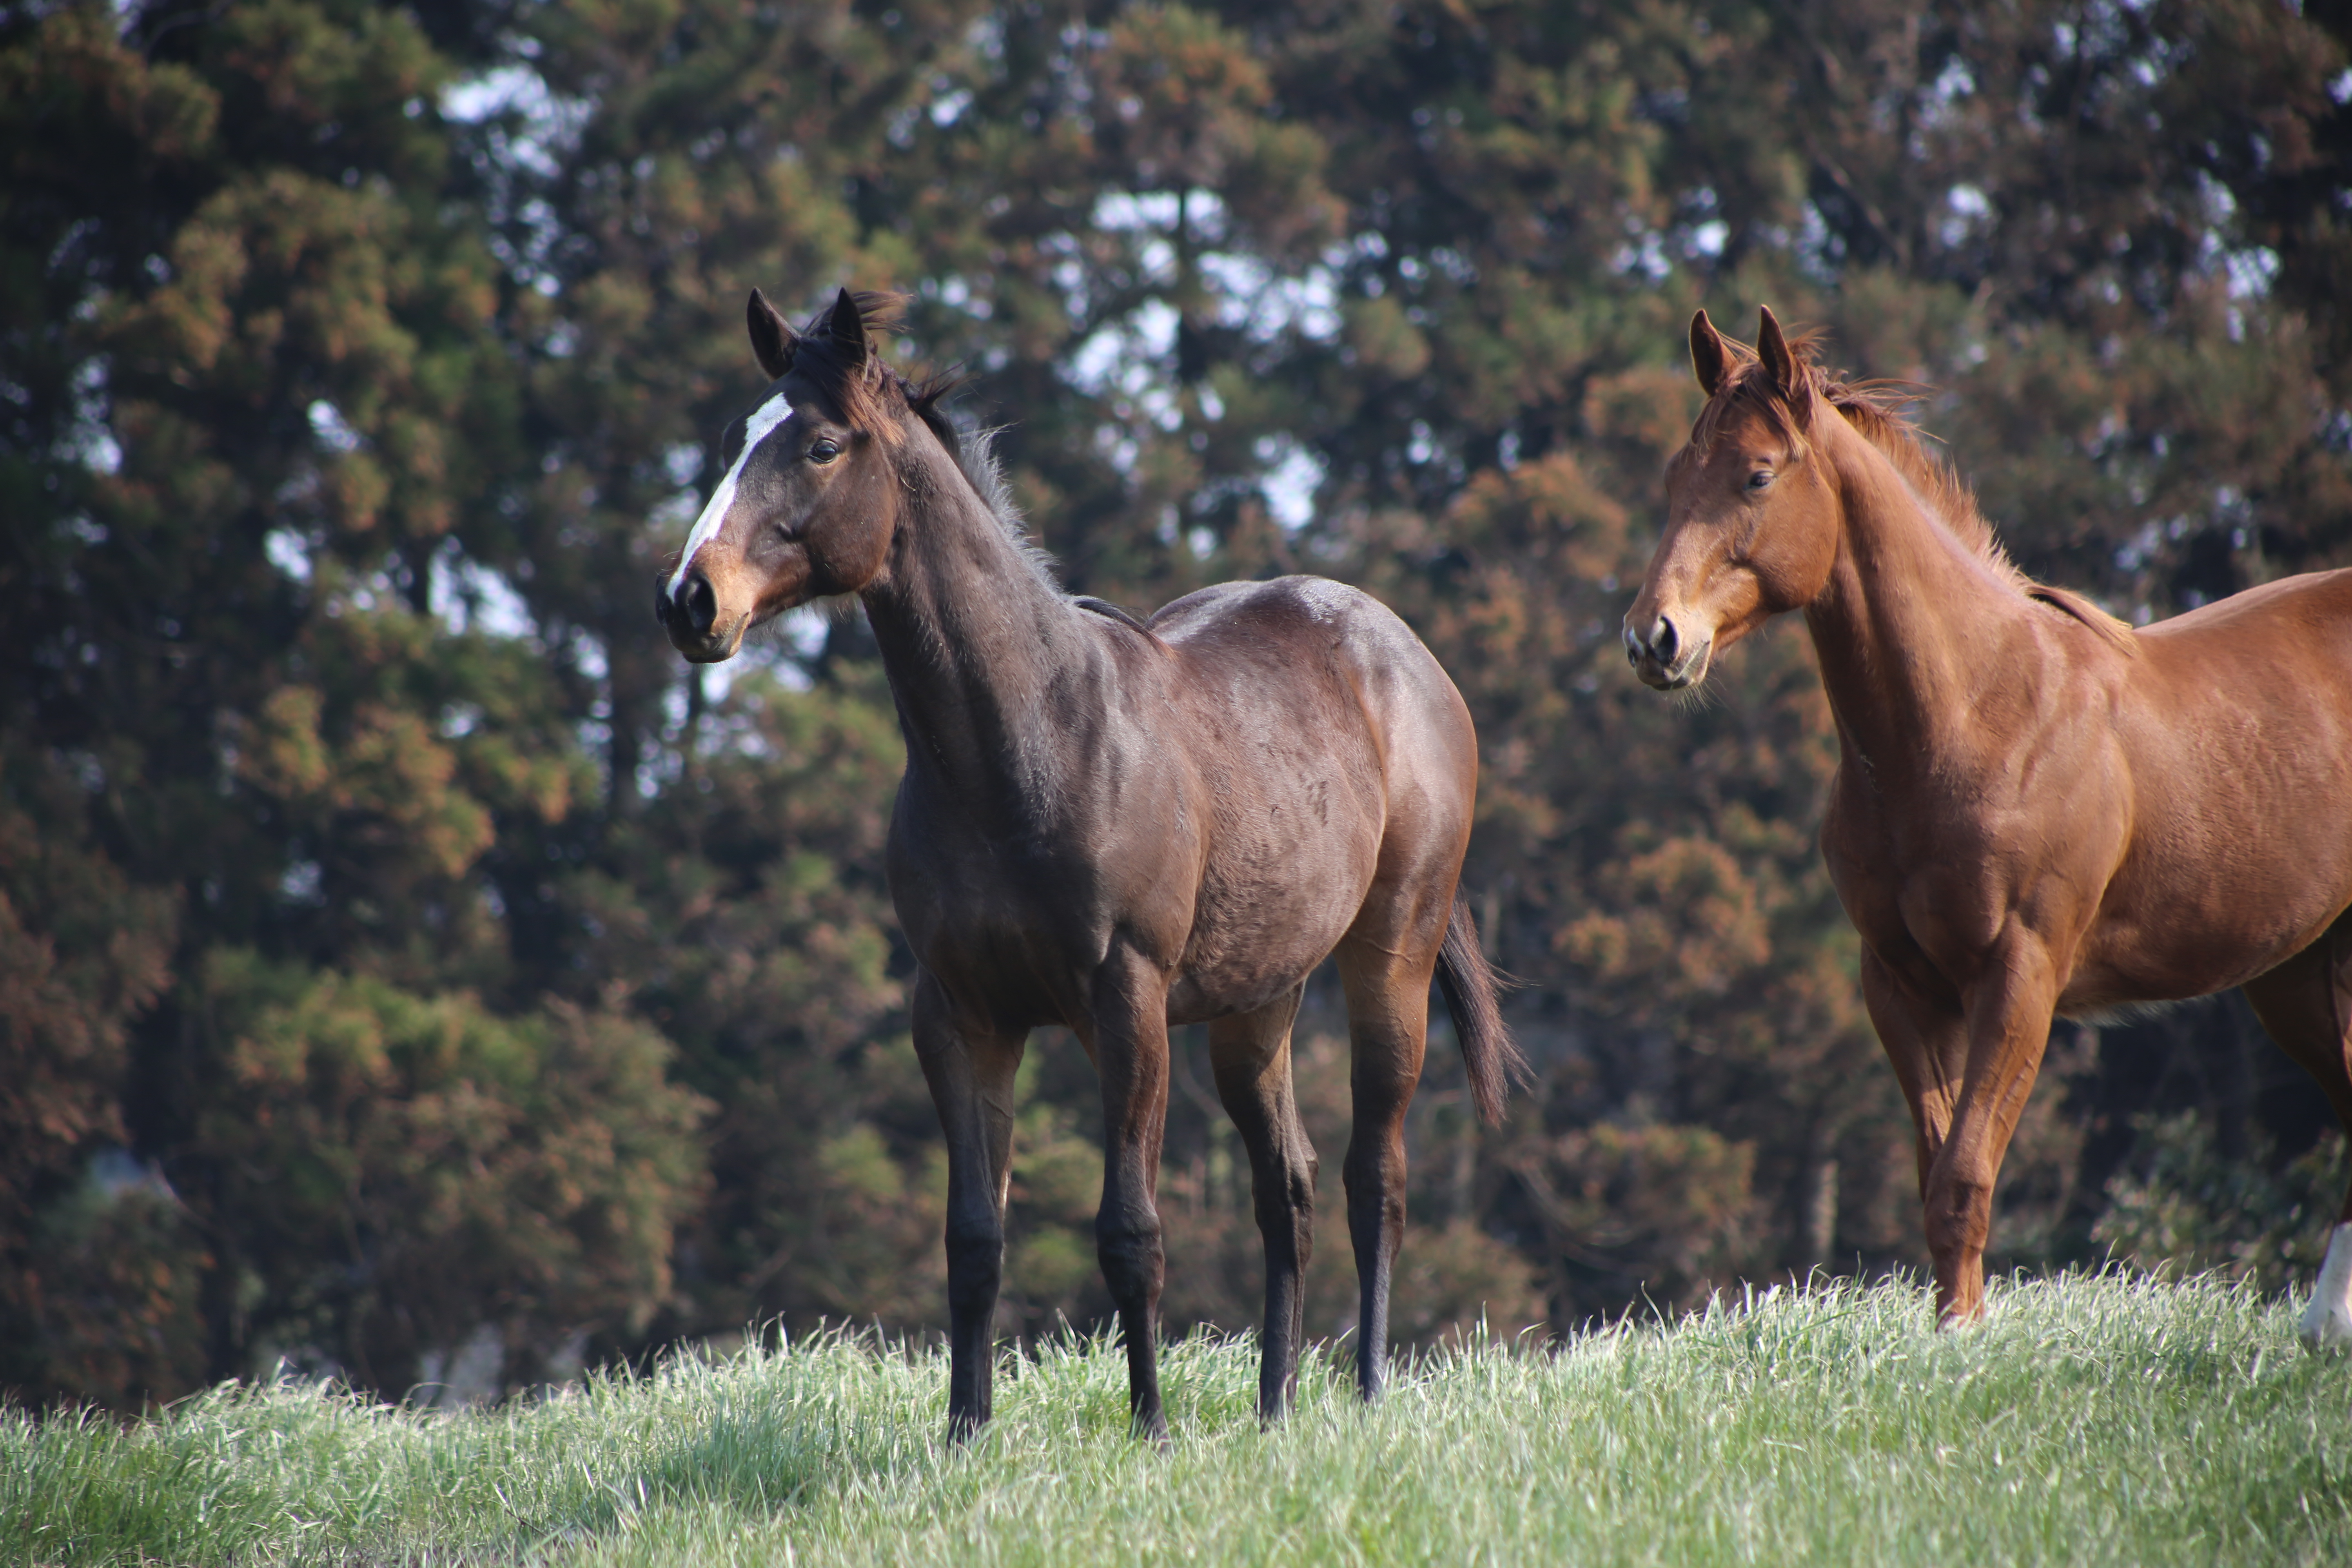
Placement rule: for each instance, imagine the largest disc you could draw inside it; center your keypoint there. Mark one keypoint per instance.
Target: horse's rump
(1330, 745)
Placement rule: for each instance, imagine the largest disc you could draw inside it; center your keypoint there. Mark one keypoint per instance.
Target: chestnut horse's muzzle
(1667, 658)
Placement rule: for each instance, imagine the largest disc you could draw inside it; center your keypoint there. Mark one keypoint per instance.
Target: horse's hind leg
(2306, 1006)
(1251, 1056)
(969, 1066)
(1387, 1028)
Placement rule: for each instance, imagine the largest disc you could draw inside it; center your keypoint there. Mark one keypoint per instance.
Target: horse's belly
(1241, 965)
(1242, 983)
(1267, 914)
(2191, 957)
(2169, 937)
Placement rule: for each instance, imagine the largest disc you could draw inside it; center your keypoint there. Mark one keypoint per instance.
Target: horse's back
(2307, 614)
(1286, 606)
(1336, 628)
(2237, 730)
(2271, 666)
(1333, 657)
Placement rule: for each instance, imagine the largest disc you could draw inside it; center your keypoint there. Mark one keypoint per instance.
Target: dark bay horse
(1116, 826)
(2037, 810)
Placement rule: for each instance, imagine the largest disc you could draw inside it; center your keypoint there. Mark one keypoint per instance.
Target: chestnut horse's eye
(823, 451)
(1759, 478)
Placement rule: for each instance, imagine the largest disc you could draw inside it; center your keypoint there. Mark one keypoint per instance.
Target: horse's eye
(1759, 478)
(823, 451)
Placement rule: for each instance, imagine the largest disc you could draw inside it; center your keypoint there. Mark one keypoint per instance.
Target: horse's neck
(1915, 623)
(973, 637)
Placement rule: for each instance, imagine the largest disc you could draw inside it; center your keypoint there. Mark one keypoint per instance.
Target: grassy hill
(2091, 1420)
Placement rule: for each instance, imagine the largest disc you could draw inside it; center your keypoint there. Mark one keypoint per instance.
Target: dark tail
(1488, 1052)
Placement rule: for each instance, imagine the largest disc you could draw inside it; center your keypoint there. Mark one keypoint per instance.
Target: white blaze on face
(762, 423)
(2328, 1325)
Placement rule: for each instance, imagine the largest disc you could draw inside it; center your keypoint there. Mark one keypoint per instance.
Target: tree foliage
(398, 946)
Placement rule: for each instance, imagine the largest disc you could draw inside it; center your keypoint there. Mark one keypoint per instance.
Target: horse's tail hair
(1471, 984)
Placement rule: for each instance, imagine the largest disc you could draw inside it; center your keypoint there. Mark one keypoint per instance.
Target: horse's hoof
(2324, 1332)
(2328, 1323)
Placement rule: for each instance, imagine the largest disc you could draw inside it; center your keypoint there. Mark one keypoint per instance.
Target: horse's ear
(847, 326)
(1781, 364)
(1709, 359)
(772, 336)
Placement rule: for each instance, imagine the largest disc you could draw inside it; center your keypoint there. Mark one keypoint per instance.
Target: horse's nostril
(1664, 643)
(701, 604)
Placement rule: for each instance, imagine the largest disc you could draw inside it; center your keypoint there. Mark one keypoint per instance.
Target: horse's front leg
(2008, 1013)
(970, 1064)
(1927, 1044)
(1130, 1041)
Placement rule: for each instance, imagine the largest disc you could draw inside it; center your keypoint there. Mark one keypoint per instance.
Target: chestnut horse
(2038, 811)
(1116, 826)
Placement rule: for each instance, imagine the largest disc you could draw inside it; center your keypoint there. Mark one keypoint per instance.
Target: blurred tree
(374, 885)
(252, 385)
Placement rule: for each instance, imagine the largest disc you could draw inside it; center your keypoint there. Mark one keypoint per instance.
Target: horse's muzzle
(690, 616)
(1665, 656)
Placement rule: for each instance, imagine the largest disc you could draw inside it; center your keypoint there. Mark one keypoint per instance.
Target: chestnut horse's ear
(772, 336)
(848, 328)
(1708, 360)
(1781, 364)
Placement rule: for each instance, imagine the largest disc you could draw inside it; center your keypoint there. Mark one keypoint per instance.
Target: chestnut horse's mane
(1875, 410)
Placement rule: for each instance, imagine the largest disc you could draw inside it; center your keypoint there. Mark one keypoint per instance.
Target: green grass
(2090, 1420)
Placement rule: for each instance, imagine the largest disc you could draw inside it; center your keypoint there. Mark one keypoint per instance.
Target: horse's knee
(1285, 1207)
(1959, 1206)
(1375, 1172)
(1302, 1189)
(1132, 1260)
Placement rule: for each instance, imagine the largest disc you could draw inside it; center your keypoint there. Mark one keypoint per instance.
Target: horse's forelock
(1874, 408)
(870, 395)
(1747, 388)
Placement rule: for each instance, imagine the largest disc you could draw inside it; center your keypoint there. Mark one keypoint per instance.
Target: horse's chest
(1926, 886)
(972, 892)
